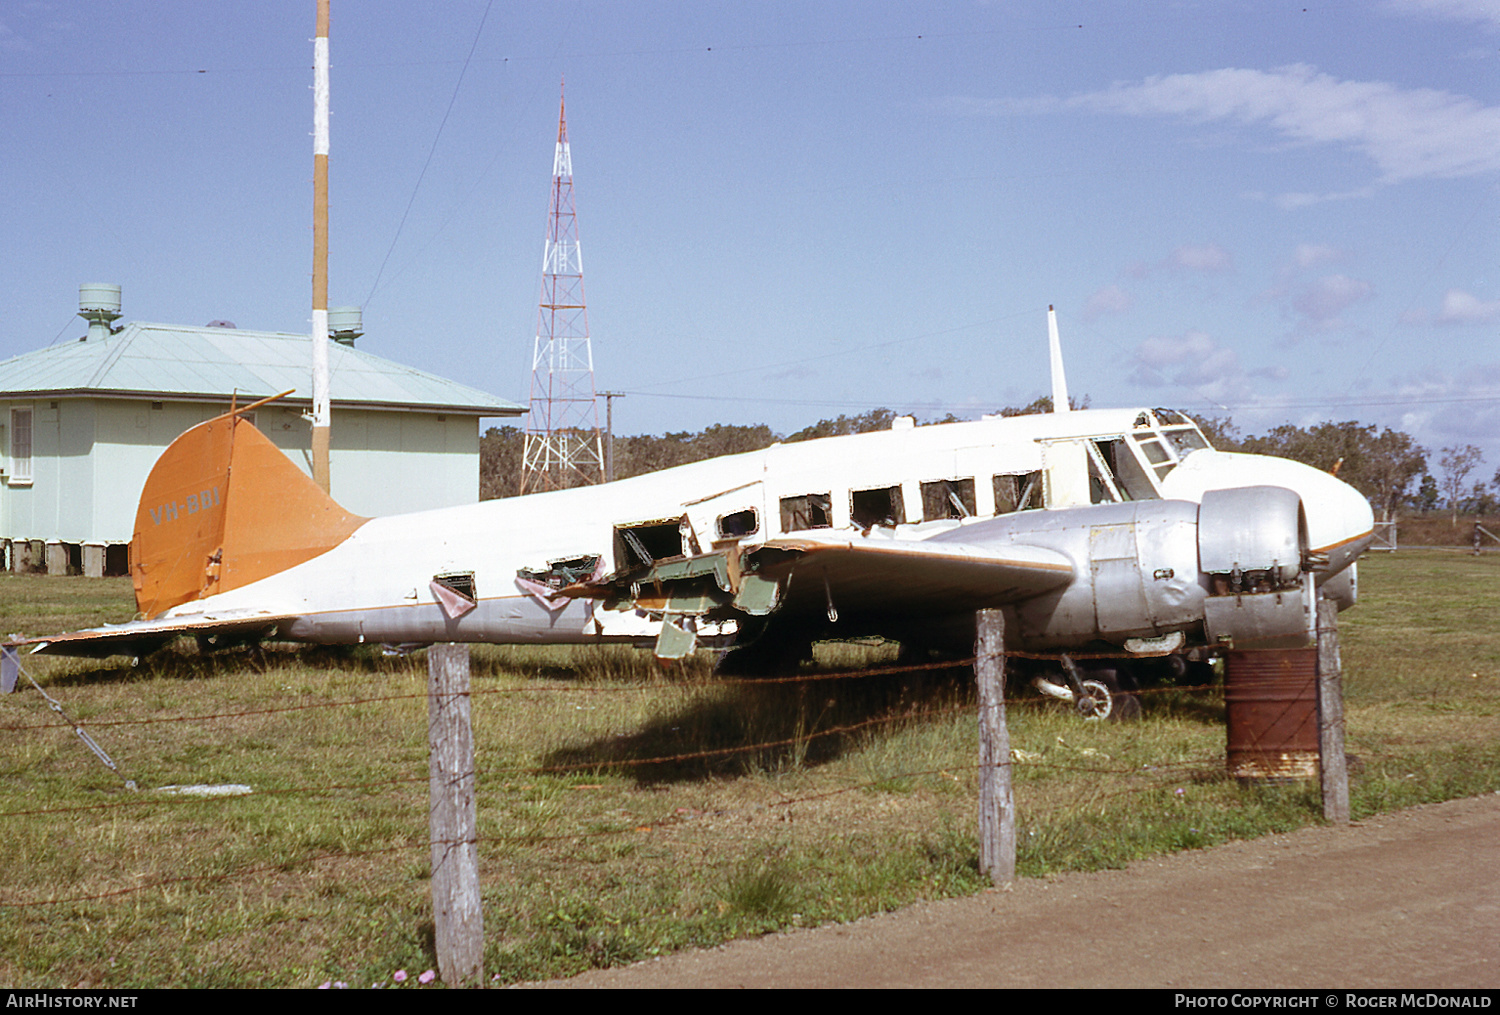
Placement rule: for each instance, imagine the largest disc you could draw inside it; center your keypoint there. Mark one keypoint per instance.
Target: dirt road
(1410, 899)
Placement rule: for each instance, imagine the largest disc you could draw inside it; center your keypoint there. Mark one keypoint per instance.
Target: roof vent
(222, 324)
(99, 304)
(345, 324)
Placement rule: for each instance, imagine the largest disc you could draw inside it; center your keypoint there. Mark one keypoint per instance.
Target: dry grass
(779, 804)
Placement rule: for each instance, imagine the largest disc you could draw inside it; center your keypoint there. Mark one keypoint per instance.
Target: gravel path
(1409, 899)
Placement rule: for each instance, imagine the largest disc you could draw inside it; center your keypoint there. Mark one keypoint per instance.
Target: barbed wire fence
(996, 860)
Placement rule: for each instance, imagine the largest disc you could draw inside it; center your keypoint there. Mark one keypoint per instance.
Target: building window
(20, 445)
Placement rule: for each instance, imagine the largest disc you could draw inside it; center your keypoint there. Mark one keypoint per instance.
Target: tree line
(1388, 466)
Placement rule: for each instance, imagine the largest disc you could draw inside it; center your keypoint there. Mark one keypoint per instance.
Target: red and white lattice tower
(563, 448)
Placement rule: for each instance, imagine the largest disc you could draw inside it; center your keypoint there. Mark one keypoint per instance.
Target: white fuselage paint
(375, 585)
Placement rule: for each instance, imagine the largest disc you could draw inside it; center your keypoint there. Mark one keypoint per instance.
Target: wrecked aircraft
(1111, 531)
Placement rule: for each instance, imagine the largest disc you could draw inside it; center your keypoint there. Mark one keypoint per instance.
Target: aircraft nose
(1346, 523)
(1340, 523)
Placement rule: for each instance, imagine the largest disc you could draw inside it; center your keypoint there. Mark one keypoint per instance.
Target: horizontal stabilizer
(140, 637)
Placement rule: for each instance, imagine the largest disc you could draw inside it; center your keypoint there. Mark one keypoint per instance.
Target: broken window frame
(1102, 486)
(738, 530)
(1184, 440)
(563, 571)
(1024, 492)
(1120, 468)
(643, 543)
(866, 509)
(459, 582)
(944, 499)
(812, 510)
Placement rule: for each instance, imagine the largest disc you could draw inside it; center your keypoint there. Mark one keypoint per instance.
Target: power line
(432, 150)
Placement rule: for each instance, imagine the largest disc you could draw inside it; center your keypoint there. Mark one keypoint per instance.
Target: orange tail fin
(224, 507)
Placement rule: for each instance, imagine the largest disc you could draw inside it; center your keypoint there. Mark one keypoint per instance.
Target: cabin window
(739, 523)
(647, 542)
(948, 498)
(20, 445)
(1017, 492)
(868, 508)
(562, 573)
(810, 511)
(461, 582)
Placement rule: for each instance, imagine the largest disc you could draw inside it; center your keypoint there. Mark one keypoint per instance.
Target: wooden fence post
(997, 807)
(1331, 762)
(457, 918)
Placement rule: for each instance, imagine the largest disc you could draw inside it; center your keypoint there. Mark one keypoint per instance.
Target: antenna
(562, 447)
(1059, 381)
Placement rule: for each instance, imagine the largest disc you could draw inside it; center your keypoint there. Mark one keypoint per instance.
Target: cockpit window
(1185, 439)
(1155, 453)
(1116, 474)
(1170, 442)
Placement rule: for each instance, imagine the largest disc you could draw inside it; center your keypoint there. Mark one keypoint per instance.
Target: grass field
(779, 804)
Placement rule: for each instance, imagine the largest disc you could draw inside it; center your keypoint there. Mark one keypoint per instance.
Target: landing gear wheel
(1103, 698)
(1096, 702)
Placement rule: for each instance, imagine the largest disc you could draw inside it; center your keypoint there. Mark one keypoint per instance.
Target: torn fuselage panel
(720, 585)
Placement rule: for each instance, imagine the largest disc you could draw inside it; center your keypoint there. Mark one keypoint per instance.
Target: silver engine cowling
(1149, 572)
(1253, 554)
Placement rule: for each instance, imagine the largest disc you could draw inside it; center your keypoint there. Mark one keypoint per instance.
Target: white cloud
(1460, 307)
(1483, 11)
(1308, 255)
(1208, 257)
(1324, 300)
(1408, 133)
(1191, 360)
(1109, 300)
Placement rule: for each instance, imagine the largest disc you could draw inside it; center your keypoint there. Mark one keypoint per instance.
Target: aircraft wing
(854, 574)
(839, 573)
(138, 637)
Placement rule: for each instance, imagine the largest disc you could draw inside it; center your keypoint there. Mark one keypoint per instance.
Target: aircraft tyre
(1105, 697)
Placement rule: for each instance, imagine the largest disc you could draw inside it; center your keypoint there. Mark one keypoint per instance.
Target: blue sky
(1282, 211)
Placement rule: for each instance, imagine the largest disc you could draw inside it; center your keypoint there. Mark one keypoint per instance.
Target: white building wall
(91, 457)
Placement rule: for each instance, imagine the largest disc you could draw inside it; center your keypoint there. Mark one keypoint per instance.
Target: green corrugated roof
(167, 361)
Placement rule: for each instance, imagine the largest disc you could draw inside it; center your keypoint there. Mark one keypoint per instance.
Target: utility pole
(321, 415)
(609, 432)
(562, 446)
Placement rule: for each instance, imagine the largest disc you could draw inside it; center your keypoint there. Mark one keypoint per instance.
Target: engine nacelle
(1253, 550)
(1230, 569)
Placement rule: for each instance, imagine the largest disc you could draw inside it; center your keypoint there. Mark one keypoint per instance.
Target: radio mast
(321, 416)
(563, 448)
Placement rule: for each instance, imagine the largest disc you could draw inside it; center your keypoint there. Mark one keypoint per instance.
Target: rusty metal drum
(1271, 701)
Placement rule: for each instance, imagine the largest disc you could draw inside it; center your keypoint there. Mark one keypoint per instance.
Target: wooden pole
(1332, 766)
(321, 415)
(997, 808)
(457, 917)
(609, 430)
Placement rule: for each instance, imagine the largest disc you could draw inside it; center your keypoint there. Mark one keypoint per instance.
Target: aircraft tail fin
(224, 507)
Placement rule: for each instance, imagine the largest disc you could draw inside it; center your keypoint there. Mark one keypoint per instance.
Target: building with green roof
(83, 422)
